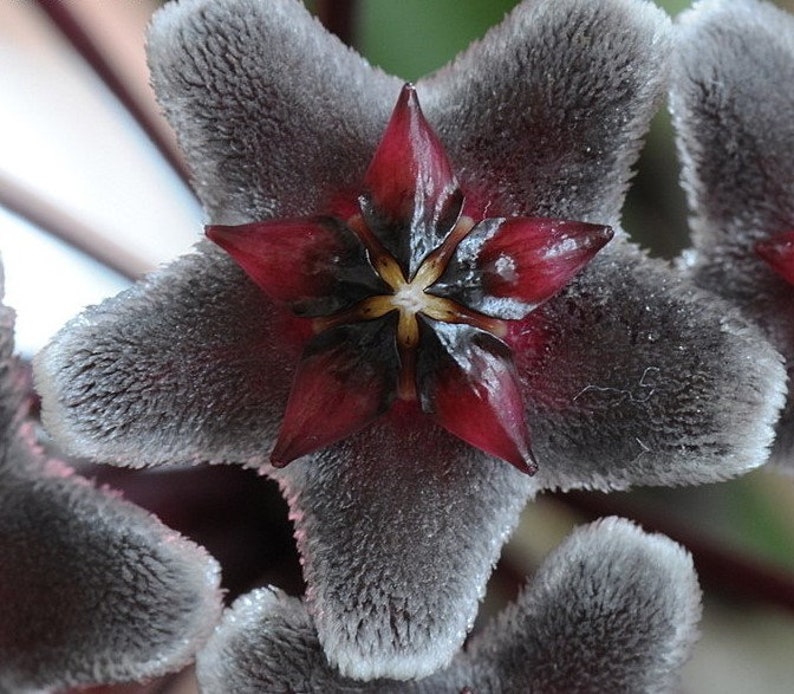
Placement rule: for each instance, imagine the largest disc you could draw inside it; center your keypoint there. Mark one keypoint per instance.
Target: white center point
(409, 298)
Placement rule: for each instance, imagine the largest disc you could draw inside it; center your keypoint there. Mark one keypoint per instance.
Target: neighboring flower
(611, 610)
(627, 376)
(733, 113)
(93, 589)
(411, 298)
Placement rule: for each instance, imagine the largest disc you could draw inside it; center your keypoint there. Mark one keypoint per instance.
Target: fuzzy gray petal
(236, 85)
(267, 643)
(92, 589)
(732, 110)
(633, 376)
(547, 112)
(274, 114)
(611, 610)
(399, 531)
(174, 369)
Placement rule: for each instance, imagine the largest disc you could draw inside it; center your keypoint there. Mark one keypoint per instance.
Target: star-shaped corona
(410, 293)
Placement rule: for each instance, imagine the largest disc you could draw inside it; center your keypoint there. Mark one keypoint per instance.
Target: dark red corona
(409, 298)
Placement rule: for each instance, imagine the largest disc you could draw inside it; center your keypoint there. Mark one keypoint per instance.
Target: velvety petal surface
(544, 117)
(253, 90)
(399, 528)
(611, 610)
(634, 376)
(191, 365)
(92, 588)
(268, 643)
(732, 111)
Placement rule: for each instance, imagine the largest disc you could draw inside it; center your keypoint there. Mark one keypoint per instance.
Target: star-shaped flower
(93, 589)
(627, 376)
(736, 138)
(412, 298)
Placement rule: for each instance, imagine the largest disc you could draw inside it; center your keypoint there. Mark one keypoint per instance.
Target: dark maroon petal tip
(410, 179)
(313, 264)
(778, 252)
(469, 386)
(487, 414)
(345, 380)
(532, 259)
(290, 259)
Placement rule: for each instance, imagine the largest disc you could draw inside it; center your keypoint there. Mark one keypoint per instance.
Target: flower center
(410, 298)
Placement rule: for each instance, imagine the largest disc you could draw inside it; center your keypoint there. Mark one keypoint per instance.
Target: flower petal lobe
(612, 609)
(550, 108)
(92, 588)
(183, 341)
(398, 528)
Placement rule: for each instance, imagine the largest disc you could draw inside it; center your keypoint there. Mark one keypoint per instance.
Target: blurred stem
(69, 25)
(51, 219)
(339, 17)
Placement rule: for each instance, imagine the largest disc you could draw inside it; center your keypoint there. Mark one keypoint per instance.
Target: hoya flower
(621, 374)
(611, 610)
(736, 139)
(413, 299)
(93, 588)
